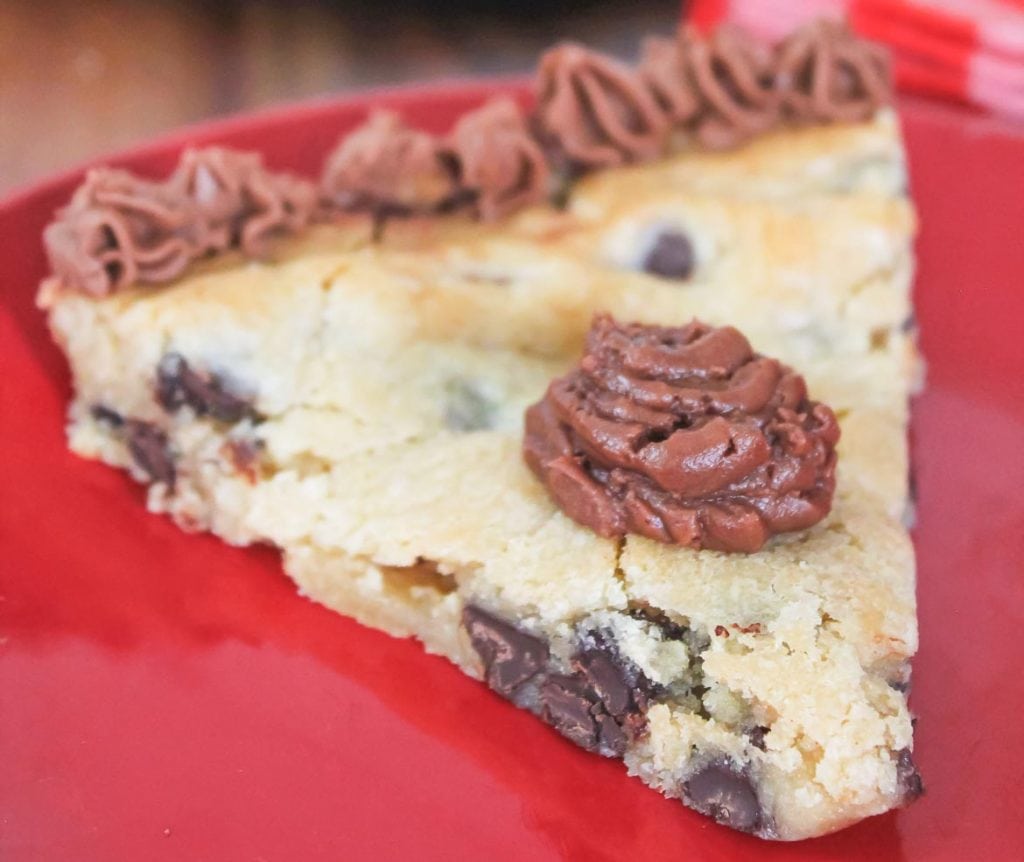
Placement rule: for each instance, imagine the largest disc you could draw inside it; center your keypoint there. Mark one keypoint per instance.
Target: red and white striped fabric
(971, 51)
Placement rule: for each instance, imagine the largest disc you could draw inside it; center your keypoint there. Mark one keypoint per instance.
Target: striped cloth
(970, 51)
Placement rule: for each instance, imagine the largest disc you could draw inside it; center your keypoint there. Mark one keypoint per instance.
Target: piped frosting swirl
(734, 76)
(386, 165)
(597, 110)
(825, 74)
(591, 111)
(683, 435)
(497, 160)
(120, 230)
(240, 204)
(665, 69)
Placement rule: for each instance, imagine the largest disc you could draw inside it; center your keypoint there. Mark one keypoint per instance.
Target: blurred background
(79, 78)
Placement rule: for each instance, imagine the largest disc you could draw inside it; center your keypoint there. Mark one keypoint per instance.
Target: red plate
(164, 696)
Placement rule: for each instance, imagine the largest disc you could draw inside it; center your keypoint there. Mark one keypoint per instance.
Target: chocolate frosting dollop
(497, 159)
(387, 166)
(734, 76)
(591, 112)
(826, 74)
(596, 110)
(119, 229)
(240, 203)
(683, 435)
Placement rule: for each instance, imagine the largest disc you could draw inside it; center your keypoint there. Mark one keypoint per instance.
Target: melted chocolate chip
(617, 694)
(510, 657)
(606, 679)
(907, 777)
(672, 256)
(725, 795)
(600, 705)
(567, 706)
(619, 684)
(150, 450)
(612, 737)
(178, 385)
(104, 414)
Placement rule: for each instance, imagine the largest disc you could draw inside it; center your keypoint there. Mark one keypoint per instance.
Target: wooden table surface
(82, 77)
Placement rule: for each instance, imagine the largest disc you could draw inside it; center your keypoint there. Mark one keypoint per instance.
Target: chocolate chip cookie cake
(604, 400)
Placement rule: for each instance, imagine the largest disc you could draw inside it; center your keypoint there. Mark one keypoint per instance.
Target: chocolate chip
(567, 706)
(900, 680)
(466, 408)
(171, 375)
(725, 795)
(696, 640)
(621, 687)
(601, 704)
(672, 256)
(178, 385)
(511, 657)
(907, 777)
(104, 414)
(613, 738)
(670, 630)
(150, 450)
(756, 736)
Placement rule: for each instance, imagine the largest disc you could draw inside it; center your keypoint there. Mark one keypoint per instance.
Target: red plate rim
(967, 171)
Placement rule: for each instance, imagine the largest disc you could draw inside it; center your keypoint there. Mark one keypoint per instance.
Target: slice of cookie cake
(606, 402)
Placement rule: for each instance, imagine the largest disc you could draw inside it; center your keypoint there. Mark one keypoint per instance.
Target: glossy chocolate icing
(684, 435)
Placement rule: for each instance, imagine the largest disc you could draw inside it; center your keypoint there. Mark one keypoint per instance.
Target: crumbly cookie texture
(358, 401)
